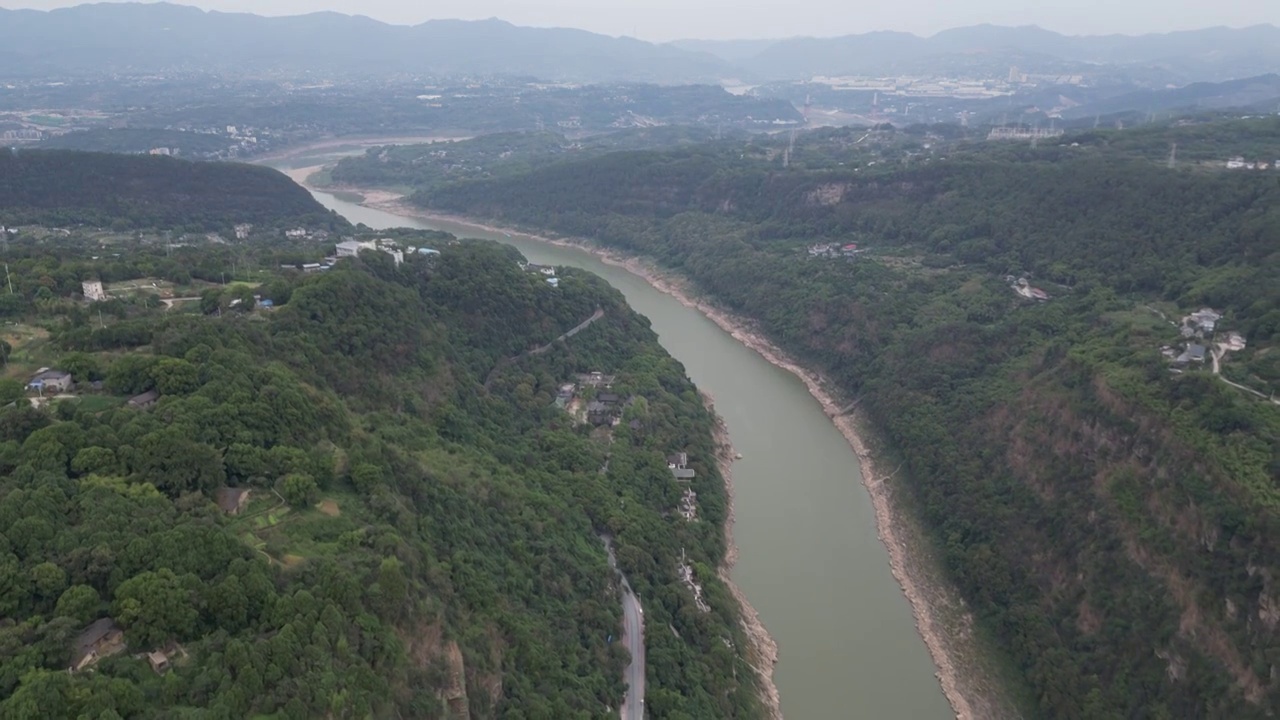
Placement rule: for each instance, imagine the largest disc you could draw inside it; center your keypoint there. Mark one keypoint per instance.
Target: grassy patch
(329, 507)
(99, 403)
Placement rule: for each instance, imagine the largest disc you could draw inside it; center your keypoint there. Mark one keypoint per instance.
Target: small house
(100, 639)
(598, 413)
(232, 500)
(553, 282)
(50, 381)
(678, 464)
(609, 399)
(565, 395)
(159, 661)
(145, 400)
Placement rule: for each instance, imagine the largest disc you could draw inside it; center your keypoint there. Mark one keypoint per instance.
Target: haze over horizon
(667, 20)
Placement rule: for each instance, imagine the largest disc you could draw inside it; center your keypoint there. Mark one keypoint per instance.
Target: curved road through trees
(633, 636)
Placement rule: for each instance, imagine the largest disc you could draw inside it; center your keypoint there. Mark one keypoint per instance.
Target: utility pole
(8, 278)
(1173, 156)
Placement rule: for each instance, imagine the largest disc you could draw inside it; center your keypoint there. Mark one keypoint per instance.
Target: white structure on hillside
(93, 290)
(352, 248)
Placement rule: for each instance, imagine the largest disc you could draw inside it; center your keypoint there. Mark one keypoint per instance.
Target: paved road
(633, 636)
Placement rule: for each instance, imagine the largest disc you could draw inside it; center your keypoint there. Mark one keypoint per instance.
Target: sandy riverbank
(763, 654)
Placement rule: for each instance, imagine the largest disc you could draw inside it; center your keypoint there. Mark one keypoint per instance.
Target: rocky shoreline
(763, 654)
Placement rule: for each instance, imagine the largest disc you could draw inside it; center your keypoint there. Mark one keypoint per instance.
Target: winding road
(633, 636)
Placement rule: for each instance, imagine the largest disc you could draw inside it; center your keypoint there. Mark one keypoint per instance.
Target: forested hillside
(422, 531)
(1011, 320)
(63, 187)
(427, 165)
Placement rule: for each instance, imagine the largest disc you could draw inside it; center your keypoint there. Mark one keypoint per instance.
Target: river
(810, 560)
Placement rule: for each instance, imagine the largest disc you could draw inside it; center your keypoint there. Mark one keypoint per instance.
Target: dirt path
(599, 313)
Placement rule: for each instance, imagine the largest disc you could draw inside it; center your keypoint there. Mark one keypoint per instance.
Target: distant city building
(1020, 133)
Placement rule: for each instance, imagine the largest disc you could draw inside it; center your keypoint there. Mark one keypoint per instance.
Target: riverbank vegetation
(421, 533)
(1108, 513)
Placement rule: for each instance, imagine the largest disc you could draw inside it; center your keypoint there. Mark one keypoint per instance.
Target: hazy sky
(662, 20)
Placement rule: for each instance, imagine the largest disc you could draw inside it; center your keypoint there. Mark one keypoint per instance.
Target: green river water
(810, 560)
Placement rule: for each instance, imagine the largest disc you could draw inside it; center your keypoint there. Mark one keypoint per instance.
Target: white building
(93, 290)
(352, 248)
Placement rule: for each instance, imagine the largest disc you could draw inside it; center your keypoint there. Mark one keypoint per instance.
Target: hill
(1096, 465)
(63, 187)
(177, 143)
(422, 531)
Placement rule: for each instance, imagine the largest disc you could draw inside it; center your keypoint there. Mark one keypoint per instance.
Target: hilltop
(64, 187)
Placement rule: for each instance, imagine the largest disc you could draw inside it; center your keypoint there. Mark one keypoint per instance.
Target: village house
(159, 661)
(50, 381)
(596, 379)
(598, 413)
(232, 500)
(1193, 353)
(93, 290)
(242, 231)
(1204, 322)
(678, 464)
(565, 395)
(99, 640)
(295, 234)
(145, 400)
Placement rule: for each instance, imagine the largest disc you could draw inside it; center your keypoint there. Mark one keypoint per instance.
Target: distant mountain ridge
(1211, 54)
(132, 37)
(162, 37)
